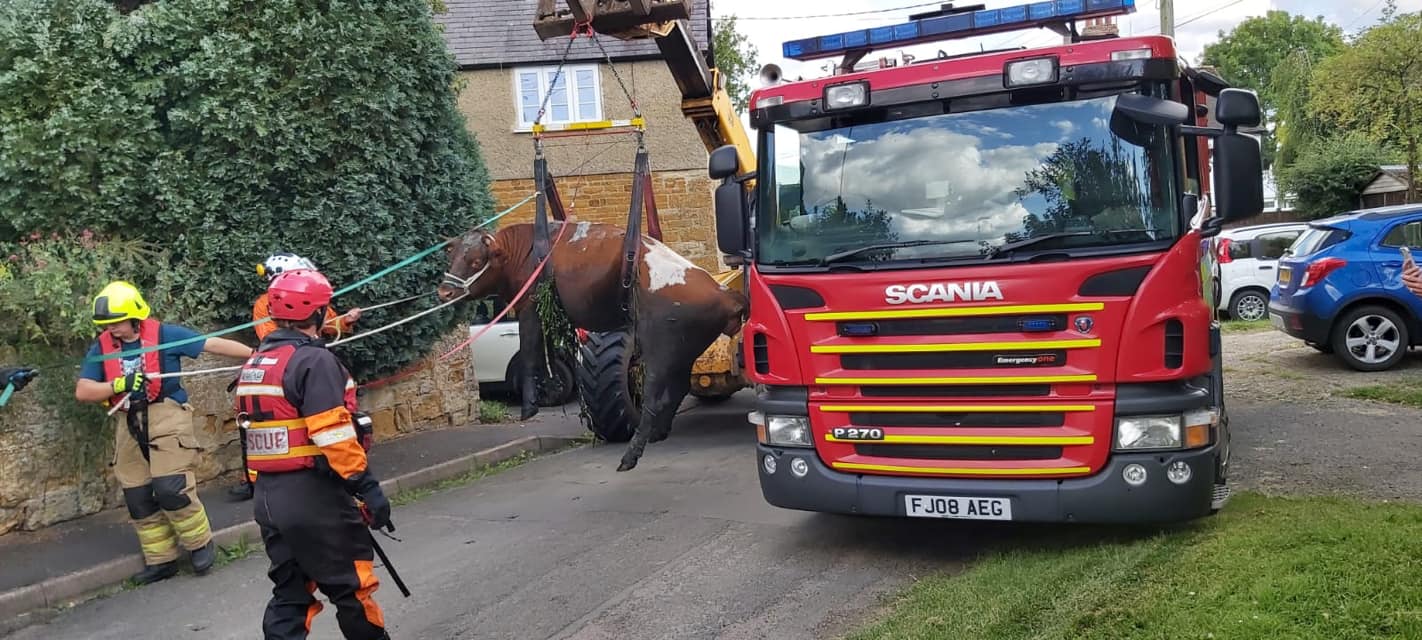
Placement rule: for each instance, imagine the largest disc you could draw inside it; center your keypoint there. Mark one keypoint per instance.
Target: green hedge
(220, 131)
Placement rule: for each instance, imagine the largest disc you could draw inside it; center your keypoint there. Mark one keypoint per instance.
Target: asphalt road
(564, 547)
(685, 547)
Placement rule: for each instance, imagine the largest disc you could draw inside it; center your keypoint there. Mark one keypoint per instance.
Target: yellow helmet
(119, 301)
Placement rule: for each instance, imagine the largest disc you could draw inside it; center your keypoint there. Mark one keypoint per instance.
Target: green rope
(364, 281)
(5, 395)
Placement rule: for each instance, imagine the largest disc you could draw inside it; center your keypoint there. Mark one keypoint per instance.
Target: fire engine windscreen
(975, 185)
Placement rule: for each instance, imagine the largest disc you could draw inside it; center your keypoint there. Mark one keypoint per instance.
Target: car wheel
(1249, 305)
(560, 388)
(1370, 338)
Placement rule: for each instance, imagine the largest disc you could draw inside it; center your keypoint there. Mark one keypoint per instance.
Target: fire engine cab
(975, 280)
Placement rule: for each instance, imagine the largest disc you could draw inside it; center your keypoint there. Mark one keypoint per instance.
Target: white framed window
(576, 98)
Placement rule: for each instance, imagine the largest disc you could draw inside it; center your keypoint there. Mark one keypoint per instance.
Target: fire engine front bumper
(1104, 497)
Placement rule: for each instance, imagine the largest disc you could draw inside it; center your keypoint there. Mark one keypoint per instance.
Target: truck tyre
(613, 409)
(1370, 338)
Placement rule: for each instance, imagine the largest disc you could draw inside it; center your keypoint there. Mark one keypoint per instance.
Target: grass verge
(493, 412)
(1239, 326)
(1410, 395)
(1263, 568)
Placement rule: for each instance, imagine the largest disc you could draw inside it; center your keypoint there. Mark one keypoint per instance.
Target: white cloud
(1065, 126)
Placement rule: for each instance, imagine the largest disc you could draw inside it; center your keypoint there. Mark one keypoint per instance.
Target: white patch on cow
(664, 266)
(580, 232)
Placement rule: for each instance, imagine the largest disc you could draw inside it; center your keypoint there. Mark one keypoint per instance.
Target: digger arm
(704, 101)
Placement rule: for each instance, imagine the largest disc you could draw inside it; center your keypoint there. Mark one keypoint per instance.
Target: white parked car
(496, 358)
(1244, 266)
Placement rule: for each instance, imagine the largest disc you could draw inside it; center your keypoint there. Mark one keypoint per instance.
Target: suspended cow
(677, 308)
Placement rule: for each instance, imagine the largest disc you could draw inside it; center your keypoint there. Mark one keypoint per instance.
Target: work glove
(17, 377)
(375, 507)
(130, 383)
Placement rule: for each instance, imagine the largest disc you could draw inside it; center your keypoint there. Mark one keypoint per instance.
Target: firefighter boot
(155, 573)
(204, 558)
(239, 492)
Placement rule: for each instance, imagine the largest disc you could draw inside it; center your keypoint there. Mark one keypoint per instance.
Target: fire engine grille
(960, 360)
(957, 452)
(955, 391)
(961, 326)
(955, 420)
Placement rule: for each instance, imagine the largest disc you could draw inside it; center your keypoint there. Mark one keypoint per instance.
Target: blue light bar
(954, 26)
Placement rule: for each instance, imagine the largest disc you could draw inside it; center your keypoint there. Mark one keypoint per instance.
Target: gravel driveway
(1295, 433)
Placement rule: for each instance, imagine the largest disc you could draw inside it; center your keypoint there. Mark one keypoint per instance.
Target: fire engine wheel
(613, 407)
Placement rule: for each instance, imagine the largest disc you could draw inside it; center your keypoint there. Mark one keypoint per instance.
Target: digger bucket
(625, 19)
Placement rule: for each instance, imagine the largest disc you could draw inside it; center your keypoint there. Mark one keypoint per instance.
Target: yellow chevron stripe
(957, 312)
(977, 380)
(986, 440)
(1034, 471)
(1021, 345)
(955, 408)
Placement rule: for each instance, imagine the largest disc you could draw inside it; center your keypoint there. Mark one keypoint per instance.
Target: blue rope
(362, 282)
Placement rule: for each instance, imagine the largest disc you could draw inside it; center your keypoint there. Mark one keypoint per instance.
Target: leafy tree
(1249, 55)
(1084, 182)
(735, 58)
(223, 131)
(1330, 173)
(1375, 86)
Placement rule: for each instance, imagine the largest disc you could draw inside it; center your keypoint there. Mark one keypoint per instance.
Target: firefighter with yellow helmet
(155, 442)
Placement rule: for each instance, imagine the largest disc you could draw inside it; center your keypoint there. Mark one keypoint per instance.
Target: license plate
(1285, 274)
(958, 507)
(1277, 320)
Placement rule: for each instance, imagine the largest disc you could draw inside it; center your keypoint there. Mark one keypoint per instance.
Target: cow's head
(475, 266)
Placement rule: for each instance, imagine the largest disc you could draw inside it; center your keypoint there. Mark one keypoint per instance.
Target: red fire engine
(975, 280)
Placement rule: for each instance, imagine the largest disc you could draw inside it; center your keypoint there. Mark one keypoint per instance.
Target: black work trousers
(316, 539)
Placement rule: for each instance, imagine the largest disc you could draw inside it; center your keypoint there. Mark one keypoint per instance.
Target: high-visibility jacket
(113, 367)
(279, 438)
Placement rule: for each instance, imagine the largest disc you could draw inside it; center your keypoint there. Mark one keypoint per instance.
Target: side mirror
(724, 163)
(731, 220)
(1151, 111)
(1238, 108)
(1239, 176)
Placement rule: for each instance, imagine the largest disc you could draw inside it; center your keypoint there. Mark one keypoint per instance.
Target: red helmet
(296, 295)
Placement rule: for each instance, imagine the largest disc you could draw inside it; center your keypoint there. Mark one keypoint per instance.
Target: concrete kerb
(57, 592)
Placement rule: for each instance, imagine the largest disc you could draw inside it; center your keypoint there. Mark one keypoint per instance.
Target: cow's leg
(666, 366)
(530, 352)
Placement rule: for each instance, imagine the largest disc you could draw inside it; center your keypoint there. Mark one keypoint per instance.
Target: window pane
(1273, 245)
(587, 94)
(528, 96)
(558, 102)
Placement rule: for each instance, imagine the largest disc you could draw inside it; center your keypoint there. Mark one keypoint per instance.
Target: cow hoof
(527, 412)
(627, 465)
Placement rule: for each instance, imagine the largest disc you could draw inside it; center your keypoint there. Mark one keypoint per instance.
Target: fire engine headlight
(1137, 433)
(788, 431)
(846, 96)
(1024, 73)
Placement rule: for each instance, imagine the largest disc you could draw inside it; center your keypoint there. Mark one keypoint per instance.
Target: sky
(1198, 23)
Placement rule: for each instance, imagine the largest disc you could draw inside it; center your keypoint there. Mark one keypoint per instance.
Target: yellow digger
(604, 362)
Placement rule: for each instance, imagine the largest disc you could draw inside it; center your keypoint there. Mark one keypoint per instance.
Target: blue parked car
(1339, 287)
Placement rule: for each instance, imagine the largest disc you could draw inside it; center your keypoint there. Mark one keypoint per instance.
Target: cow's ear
(488, 240)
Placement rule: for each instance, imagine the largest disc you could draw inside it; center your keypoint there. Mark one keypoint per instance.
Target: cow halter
(464, 283)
